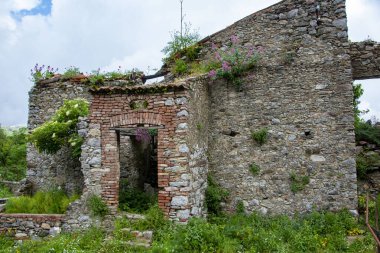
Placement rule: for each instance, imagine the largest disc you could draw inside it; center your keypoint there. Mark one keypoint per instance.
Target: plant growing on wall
(61, 130)
(232, 62)
(215, 194)
(70, 73)
(39, 73)
(97, 206)
(297, 182)
(260, 136)
(254, 169)
(184, 41)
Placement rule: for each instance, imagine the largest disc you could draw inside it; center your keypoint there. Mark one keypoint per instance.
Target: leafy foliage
(180, 42)
(71, 72)
(231, 63)
(358, 92)
(97, 206)
(297, 182)
(365, 131)
(134, 200)
(254, 169)
(49, 202)
(215, 194)
(61, 129)
(180, 67)
(13, 154)
(366, 162)
(260, 136)
(4, 192)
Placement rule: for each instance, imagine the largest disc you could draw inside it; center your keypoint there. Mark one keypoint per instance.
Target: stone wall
(129, 162)
(47, 171)
(26, 226)
(198, 115)
(365, 58)
(279, 29)
(302, 101)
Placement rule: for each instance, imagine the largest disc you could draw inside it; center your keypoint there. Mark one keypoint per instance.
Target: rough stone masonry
(304, 100)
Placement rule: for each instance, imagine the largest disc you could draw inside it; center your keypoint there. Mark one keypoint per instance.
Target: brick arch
(136, 118)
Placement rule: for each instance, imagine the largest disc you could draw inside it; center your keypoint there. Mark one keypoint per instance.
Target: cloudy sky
(105, 34)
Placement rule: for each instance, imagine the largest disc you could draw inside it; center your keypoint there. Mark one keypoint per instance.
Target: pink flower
(225, 66)
(213, 47)
(250, 52)
(217, 56)
(234, 39)
(212, 73)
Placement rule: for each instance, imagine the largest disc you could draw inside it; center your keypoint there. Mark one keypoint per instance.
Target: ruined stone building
(301, 93)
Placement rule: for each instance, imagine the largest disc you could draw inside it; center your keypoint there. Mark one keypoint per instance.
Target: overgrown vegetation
(71, 72)
(134, 200)
(61, 130)
(215, 195)
(366, 131)
(231, 63)
(260, 136)
(314, 232)
(43, 202)
(4, 191)
(39, 73)
(367, 162)
(97, 206)
(298, 182)
(13, 154)
(182, 44)
(254, 169)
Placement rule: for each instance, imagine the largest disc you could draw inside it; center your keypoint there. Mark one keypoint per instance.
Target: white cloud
(25, 4)
(107, 34)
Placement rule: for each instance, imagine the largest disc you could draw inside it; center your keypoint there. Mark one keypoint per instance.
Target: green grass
(314, 232)
(49, 202)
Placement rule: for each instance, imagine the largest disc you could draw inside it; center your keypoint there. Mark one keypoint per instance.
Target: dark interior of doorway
(138, 185)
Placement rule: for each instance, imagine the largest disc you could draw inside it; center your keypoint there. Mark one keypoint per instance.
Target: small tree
(180, 41)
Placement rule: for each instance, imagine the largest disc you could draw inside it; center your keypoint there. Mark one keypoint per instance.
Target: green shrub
(13, 154)
(49, 202)
(97, 206)
(366, 162)
(180, 67)
(254, 169)
(240, 208)
(215, 194)
(180, 42)
(298, 183)
(154, 219)
(5, 192)
(61, 129)
(71, 72)
(260, 136)
(365, 131)
(134, 200)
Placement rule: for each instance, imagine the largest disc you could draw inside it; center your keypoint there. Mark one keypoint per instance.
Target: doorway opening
(138, 185)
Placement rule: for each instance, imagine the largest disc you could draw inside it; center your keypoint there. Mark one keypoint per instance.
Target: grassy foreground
(315, 232)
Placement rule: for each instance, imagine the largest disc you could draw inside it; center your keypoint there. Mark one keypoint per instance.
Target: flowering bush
(233, 62)
(61, 129)
(39, 73)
